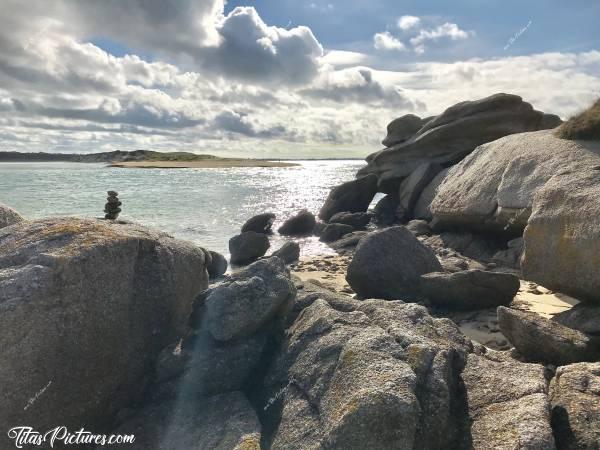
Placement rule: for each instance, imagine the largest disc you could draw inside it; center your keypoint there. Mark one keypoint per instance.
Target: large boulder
(455, 133)
(260, 223)
(357, 220)
(388, 211)
(388, 263)
(575, 398)
(469, 289)
(9, 216)
(402, 129)
(413, 186)
(367, 375)
(248, 247)
(495, 186)
(508, 404)
(352, 196)
(217, 266)
(562, 238)
(288, 252)
(238, 308)
(544, 340)
(85, 308)
(334, 231)
(225, 422)
(301, 224)
(422, 209)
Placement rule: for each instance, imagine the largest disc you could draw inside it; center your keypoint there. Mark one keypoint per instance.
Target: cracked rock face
(575, 398)
(508, 404)
(85, 307)
(372, 374)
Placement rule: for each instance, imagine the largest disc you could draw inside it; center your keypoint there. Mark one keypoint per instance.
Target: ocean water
(205, 206)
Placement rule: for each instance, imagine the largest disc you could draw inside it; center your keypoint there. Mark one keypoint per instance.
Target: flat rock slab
(469, 289)
(544, 340)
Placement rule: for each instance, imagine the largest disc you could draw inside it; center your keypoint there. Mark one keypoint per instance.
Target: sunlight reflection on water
(206, 206)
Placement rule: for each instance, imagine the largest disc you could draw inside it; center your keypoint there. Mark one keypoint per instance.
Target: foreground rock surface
(469, 289)
(72, 292)
(9, 216)
(387, 264)
(508, 404)
(224, 421)
(544, 340)
(373, 374)
(455, 133)
(575, 398)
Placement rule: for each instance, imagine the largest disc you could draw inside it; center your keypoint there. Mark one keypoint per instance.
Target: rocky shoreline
(462, 311)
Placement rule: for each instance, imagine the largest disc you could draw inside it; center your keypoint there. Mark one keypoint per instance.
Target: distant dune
(143, 159)
(202, 164)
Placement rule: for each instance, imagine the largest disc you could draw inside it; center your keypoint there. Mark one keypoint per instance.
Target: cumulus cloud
(447, 30)
(252, 51)
(385, 41)
(359, 85)
(344, 58)
(408, 22)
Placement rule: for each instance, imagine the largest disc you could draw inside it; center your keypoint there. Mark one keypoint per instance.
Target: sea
(205, 206)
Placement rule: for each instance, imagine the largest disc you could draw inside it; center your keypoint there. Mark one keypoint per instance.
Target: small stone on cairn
(111, 208)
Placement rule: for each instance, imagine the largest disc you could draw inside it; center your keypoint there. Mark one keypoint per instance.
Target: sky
(276, 78)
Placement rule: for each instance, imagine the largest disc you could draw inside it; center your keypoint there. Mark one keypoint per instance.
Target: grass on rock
(585, 125)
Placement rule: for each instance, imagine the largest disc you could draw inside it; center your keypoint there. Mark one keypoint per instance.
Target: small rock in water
(112, 207)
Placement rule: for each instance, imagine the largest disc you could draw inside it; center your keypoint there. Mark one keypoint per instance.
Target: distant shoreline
(223, 163)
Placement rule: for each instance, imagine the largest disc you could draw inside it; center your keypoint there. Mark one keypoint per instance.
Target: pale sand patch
(538, 299)
(204, 164)
(482, 326)
(327, 270)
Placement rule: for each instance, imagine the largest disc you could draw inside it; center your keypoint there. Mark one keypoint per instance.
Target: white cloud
(408, 22)
(385, 41)
(342, 58)
(447, 30)
(252, 51)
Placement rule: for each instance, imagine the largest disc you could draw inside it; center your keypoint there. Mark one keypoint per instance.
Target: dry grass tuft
(585, 125)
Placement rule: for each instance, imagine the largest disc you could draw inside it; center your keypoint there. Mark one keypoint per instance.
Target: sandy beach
(202, 164)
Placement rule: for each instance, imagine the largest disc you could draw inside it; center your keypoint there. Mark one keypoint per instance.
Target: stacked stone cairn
(112, 207)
